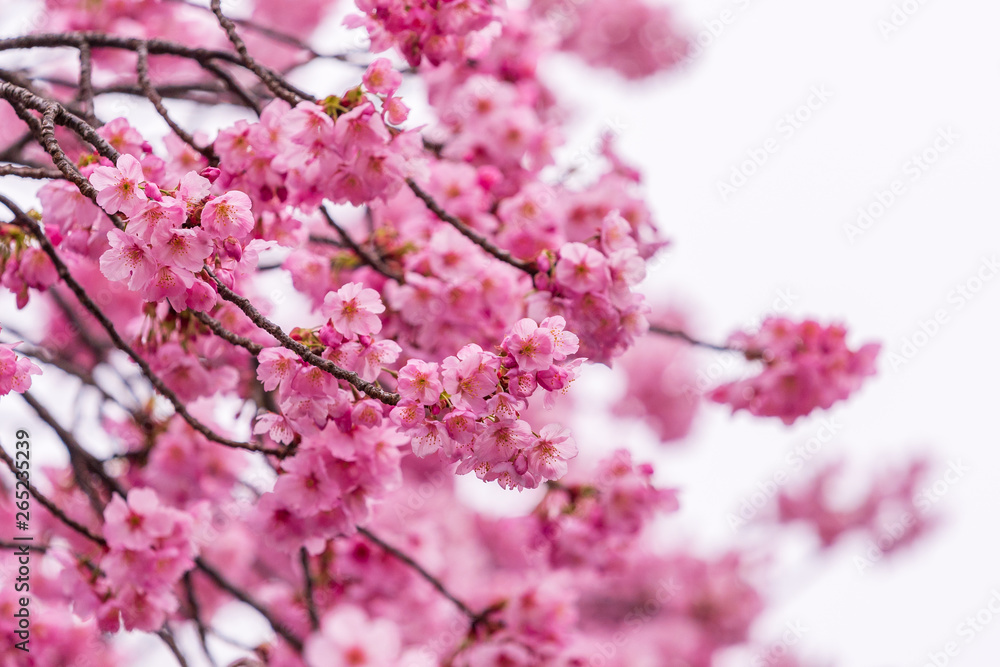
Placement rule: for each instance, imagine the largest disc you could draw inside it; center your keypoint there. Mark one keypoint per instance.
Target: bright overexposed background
(784, 232)
(780, 243)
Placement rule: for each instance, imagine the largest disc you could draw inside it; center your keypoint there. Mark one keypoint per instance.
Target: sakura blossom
(325, 325)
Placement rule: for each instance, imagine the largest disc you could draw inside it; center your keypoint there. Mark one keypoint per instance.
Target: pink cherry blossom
(181, 248)
(15, 372)
(354, 310)
(581, 269)
(129, 257)
(532, 347)
(349, 638)
(419, 381)
(119, 187)
(381, 78)
(228, 215)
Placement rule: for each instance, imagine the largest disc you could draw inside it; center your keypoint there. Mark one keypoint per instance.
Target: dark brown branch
(468, 232)
(142, 70)
(44, 132)
(203, 630)
(40, 548)
(29, 172)
(430, 578)
(51, 506)
(31, 225)
(167, 636)
(366, 257)
(60, 115)
(244, 597)
(104, 40)
(280, 88)
(87, 83)
(370, 388)
(222, 332)
(80, 459)
(677, 333)
(310, 602)
(234, 86)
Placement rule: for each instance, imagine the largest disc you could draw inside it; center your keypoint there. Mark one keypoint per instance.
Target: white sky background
(784, 231)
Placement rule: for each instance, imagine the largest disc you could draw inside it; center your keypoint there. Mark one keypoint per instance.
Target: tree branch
(363, 254)
(142, 71)
(244, 597)
(468, 232)
(677, 333)
(51, 506)
(279, 87)
(30, 224)
(298, 348)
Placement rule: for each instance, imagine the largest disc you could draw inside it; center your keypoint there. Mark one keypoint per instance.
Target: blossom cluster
(344, 149)
(451, 276)
(468, 407)
(806, 366)
(15, 371)
(437, 31)
(591, 285)
(150, 547)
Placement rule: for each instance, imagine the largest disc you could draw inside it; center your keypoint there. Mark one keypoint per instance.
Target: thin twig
(468, 232)
(51, 506)
(364, 255)
(244, 597)
(167, 636)
(234, 86)
(44, 131)
(80, 459)
(196, 614)
(279, 88)
(26, 221)
(24, 171)
(310, 602)
(370, 388)
(87, 83)
(677, 333)
(430, 578)
(142, 70)
(222, 332)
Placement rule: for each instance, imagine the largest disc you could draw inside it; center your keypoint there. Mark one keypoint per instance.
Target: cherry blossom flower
(419, 381)
(354, 310)
(119, 187)
(129, 257)
(228, 215)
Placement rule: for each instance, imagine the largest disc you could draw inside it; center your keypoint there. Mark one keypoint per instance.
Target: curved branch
(365, 256)
(277, 86)
(23, 220)
(298, 348)
(677, 333)
(142, 71)
(468, 232)
(51, 506)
